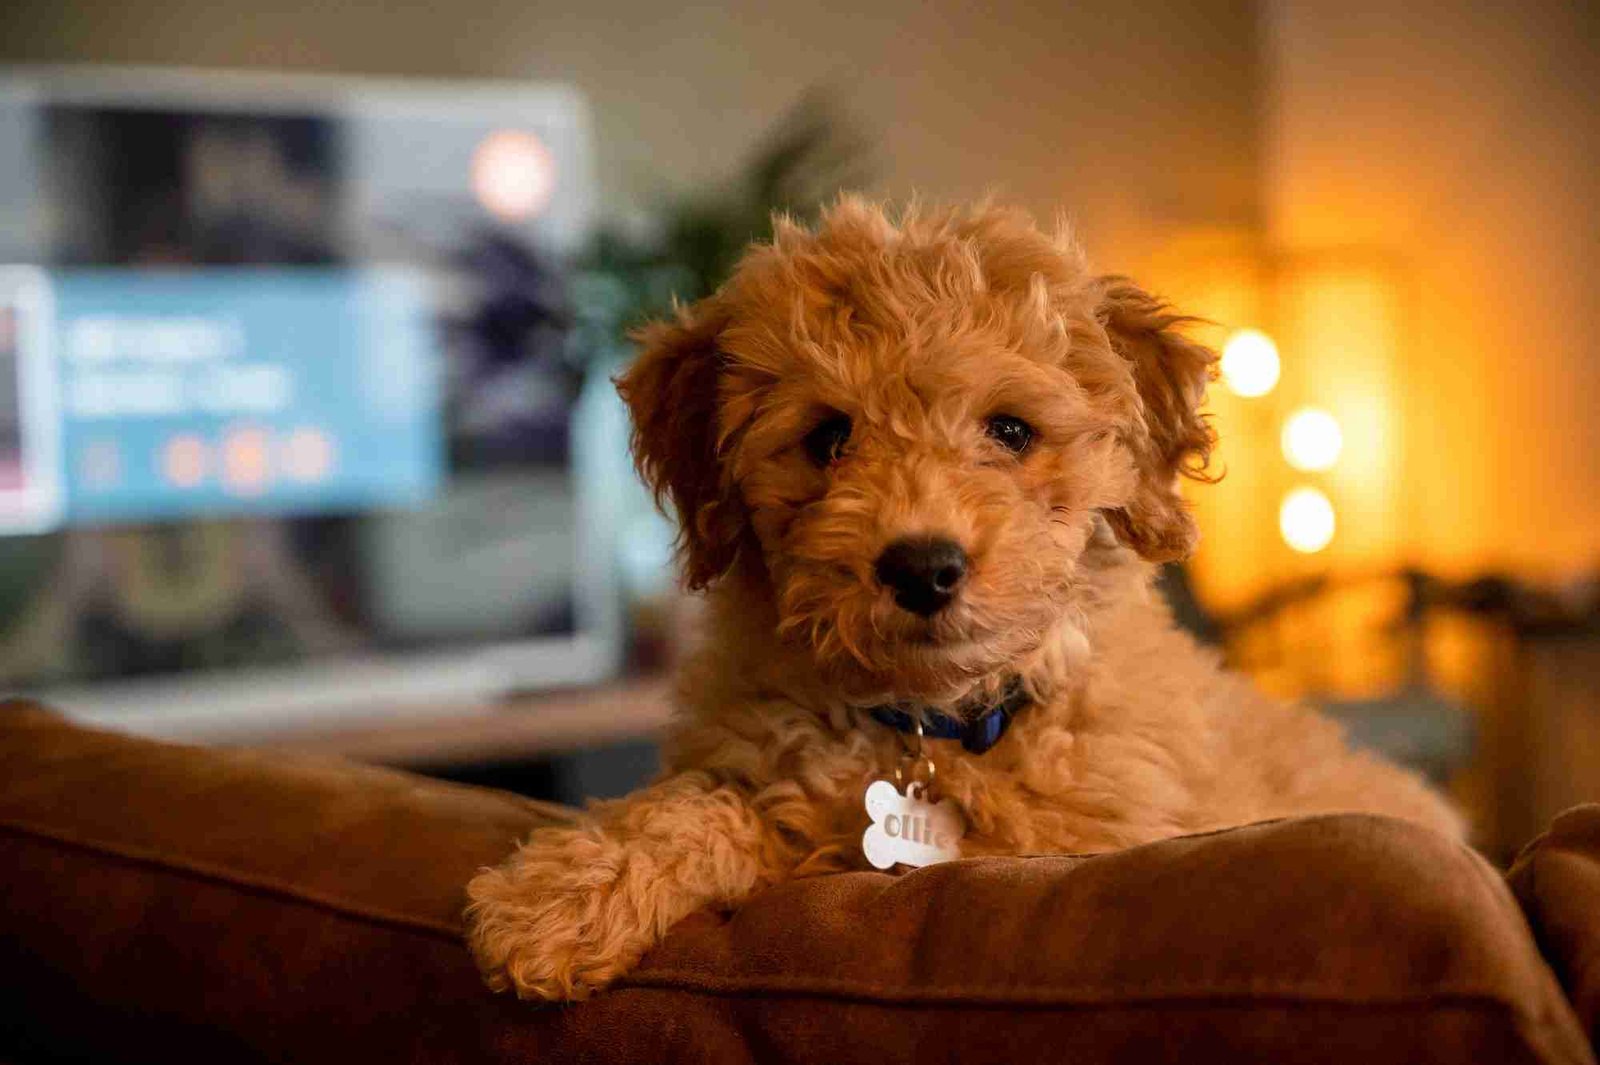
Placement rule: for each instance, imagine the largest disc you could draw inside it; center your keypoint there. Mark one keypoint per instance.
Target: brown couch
(162, 903)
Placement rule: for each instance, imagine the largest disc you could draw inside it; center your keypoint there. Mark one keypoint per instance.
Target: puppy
(923, 470)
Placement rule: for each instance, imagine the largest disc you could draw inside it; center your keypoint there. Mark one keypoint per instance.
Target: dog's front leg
(576, 907)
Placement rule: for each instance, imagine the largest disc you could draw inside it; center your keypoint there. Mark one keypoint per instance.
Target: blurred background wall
(1135, 118)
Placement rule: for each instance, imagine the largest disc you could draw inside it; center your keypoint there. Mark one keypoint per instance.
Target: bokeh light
(512, 175)
(1312, 439)
(1306, 520)
(185, 460)
(1250, 363)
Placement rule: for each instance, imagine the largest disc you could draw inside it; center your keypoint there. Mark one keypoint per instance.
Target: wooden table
(521, 728)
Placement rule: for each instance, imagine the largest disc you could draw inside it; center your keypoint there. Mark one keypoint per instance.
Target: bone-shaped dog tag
(909, 830)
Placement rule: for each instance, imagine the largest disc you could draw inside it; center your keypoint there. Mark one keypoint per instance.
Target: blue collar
(977, 734)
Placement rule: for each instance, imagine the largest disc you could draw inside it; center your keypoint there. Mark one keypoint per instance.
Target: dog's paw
(554, 923)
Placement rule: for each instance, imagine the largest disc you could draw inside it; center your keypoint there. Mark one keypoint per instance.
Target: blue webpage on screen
(155, 395)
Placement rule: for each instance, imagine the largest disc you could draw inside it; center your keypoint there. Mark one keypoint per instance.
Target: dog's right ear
(672, 393)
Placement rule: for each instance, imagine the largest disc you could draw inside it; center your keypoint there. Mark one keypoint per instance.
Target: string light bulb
(1250, 365)
(1312, 439)
(1306, 520)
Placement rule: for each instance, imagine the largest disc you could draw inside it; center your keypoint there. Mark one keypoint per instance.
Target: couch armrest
(163, 903)
(1557, 880)
(169, 903)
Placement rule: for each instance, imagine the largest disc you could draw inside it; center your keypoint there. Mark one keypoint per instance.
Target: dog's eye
(1013, 433)
(825, 442)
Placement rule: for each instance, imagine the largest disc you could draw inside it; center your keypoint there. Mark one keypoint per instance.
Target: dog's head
(903, 434)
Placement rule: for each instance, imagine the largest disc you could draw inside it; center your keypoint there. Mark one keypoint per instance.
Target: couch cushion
(160, 902)
(1557, 880)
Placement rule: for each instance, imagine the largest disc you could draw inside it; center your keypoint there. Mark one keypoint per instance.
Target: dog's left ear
(672, 393)
(1169, 438)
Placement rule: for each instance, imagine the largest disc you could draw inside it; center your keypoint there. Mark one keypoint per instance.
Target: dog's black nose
(923, 572)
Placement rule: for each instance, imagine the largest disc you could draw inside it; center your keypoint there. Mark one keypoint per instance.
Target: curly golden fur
(918, 331)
